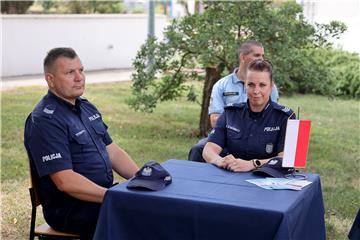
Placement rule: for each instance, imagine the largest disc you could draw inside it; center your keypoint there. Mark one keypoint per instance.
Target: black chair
(43, 231)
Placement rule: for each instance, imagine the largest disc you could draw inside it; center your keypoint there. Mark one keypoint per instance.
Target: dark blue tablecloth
(354, 233)
(206, 202)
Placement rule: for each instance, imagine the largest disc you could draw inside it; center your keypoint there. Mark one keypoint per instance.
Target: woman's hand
(220, 162)
(237, 164)
(225, 161)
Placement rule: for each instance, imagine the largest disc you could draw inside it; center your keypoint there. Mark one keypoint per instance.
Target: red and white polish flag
(296, 143)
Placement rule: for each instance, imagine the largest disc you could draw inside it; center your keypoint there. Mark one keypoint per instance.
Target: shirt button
(251, 135)
(255, 120)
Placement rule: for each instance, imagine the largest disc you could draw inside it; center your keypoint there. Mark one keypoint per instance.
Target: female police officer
(253, 132)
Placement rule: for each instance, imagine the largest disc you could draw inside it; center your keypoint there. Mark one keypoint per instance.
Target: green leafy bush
(330, 72)
(345, 77)
(310, 73)
(79, 7)
(349, 81)
(110, 7)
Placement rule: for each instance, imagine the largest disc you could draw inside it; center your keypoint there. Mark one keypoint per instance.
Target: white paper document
(280, 183)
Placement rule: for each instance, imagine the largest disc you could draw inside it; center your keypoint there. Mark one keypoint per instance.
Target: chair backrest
(34, 192)
(35, 202)
(33, 189)
(44, 230)
(35, 198)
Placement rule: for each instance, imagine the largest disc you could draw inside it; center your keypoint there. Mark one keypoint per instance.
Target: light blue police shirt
(230, 90)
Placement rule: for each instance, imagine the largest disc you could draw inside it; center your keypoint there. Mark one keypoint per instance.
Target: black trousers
(80, 219)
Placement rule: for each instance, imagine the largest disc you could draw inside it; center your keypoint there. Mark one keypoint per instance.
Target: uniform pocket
(80, 136)
(233, 133)
(80, 139)
(99, 128)
(230, 99)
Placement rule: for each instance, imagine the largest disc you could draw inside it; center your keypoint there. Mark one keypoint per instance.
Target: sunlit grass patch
(168, 133)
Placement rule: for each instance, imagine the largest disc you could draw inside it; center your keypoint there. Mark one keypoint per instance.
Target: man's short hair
(260, 65)
(55, 53)
(245, 48)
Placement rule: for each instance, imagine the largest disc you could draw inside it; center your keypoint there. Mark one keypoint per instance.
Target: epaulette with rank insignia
(48, 110)
(288, 111)
(82, 98)
(235, 105)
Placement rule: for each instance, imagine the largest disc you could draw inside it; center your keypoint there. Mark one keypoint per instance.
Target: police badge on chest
(269, 148)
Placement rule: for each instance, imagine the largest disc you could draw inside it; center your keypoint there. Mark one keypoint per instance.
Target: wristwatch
(256, 163)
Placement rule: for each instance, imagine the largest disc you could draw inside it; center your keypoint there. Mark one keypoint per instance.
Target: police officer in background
(231, 90)
(70, 150)
(253, 132)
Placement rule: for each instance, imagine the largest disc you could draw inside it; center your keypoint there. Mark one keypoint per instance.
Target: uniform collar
(234, 78)
(65, 103)
(259, 114)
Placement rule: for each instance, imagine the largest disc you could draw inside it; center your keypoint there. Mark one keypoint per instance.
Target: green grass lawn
(168, 133)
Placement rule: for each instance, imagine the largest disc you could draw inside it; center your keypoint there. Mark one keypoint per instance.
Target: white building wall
(105, 41)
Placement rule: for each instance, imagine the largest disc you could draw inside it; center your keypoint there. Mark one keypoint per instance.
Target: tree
(47, 5)
(210, 40)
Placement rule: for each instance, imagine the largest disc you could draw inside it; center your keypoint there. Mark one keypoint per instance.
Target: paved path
(91, 77)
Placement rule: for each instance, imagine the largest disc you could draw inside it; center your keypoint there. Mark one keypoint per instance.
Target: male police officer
(70, 150)
(230, 90)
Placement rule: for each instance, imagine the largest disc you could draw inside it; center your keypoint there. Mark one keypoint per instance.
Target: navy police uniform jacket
(250, 135)
(59, 136)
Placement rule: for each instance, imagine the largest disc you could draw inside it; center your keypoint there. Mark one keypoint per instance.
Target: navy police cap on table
(151, 176)
(273, 168)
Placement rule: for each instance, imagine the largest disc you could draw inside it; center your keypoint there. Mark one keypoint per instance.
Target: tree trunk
(198, 7)
(211, 77)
